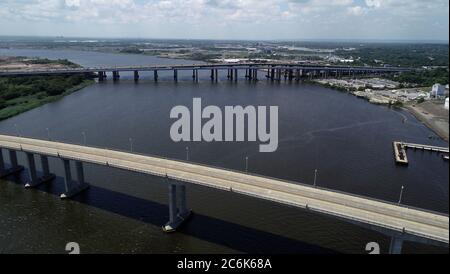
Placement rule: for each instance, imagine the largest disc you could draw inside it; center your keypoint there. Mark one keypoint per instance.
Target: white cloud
(236, 18)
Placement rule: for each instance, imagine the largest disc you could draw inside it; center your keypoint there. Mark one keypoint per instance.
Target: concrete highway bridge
(274, 71)
(399, 222)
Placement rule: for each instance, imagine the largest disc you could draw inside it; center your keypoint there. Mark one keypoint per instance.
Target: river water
(347, 139)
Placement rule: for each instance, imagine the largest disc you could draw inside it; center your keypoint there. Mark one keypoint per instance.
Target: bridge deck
(414, 222)
(220, 66)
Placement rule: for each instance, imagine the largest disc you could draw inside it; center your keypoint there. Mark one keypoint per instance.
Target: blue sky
(229, 19)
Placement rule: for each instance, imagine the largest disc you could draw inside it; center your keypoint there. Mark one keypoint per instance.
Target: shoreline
(428, 122)
(45, 100)
(413, 110)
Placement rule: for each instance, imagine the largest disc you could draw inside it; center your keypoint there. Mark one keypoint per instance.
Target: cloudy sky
(229, 19)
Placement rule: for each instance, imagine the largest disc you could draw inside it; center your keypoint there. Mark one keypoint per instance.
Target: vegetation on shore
(20, 94)
(398, 54)
(425, 78)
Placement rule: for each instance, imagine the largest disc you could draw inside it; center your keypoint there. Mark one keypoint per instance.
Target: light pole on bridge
(401, 195)
(48, 134)
(84, 137)
(131, 144)
(187, 154)
(315, 177)
(17, 130)
(246, 164)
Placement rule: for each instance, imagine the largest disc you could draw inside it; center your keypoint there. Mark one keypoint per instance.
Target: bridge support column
(15, 168)
(217, 74)
(178, 212)
(101, 76)
(291, 74)
(175, 75)
(155, 75)
(235, 75)
(73, 188)
(116, 76)
(136, 75)
(34, 179)
(396, 245)
(195, 75)
(255, 75)
(2, 161)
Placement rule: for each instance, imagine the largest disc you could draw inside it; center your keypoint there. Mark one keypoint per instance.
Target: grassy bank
(18, 95)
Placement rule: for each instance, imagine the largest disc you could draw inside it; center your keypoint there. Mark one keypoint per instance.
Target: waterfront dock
(400, 153)
(400, 149)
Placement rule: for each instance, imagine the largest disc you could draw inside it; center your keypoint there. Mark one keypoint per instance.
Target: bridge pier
(254, 74)
(175, 75)
(178, 212)
(116, 75)
(291, 74)
(34, 179)
(195, 75)
(73, 188)
(155, 75)
(396, 245)
(101, 76)
(136, 75)
(15, 168)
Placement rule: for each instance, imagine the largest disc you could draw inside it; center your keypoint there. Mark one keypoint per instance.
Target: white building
(437, 91)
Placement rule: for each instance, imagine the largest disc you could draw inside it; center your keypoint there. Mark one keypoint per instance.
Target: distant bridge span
(275, 71)
(399, 222)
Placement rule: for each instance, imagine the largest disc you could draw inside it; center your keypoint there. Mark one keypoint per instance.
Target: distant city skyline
(395, 20)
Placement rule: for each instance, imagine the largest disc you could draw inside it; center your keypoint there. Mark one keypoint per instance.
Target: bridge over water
(274, 71)
(399, 222)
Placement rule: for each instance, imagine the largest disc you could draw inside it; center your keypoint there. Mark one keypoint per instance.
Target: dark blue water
(347, 139)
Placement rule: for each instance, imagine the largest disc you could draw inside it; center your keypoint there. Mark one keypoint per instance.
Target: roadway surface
(385, 215)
